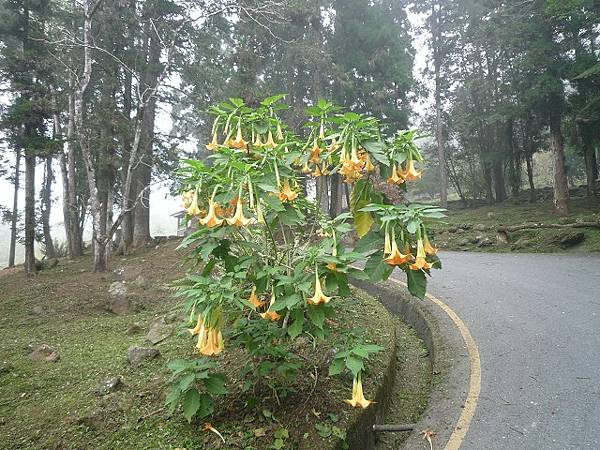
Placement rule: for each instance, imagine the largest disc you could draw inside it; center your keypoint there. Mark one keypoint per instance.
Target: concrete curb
(449, 357)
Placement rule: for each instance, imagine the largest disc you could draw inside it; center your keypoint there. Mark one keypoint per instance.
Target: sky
(162, 204)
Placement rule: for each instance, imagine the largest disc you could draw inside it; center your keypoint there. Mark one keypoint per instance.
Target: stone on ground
(109, 385)
(158, 331)
(44, 353)
(133, 328)
(137, 355)
(119, 300)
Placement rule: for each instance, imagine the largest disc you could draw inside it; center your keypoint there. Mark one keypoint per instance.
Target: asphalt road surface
(536, 321)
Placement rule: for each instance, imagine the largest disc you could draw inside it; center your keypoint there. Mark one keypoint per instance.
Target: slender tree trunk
(529, 161)
(29, 212)
(15, 210)
(561, 187)
(64, 175)
(437, 63)
(75, 231)
(335, 207)
(591, 164)
(46, 208)
(498, 178)
(487, 179)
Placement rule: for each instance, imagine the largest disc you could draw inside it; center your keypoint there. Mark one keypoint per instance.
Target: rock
(464, 242)
(109, 385)
(119, 302)
(38, 310)
(485, 242)
(133, 328)
(137, 355)
(141, 282)
(480, 227)
(459, 231)
(491, 214)
(130, 273)
(44, 353)
(502, 237)
(571, 239)
(158, 331)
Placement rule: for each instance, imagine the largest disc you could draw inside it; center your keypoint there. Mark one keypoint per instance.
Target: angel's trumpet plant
(238, 218)
(395, 178)
(420, 261)
(319, 297)
(411, 174)
(358, 399)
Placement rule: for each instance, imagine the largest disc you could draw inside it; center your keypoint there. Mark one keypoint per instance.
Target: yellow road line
(466, 417)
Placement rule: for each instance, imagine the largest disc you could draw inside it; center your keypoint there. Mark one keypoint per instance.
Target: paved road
(536, 320)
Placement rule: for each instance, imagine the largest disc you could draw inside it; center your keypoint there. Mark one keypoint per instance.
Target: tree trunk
(29, 212)
(487, 179)
(561, 187)
(529, 160)
(62, 161)
(591, 164)
(498, 177)
(335, 207)
(75, 230)
(323, 193)
(46, 207)
(15, 209)
(437, 62)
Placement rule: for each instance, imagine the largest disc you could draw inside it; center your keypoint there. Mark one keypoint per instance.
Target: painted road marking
(466, 417)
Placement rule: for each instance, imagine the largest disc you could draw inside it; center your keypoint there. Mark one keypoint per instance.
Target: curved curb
(455, 364)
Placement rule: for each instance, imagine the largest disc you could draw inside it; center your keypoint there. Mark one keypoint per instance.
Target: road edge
(455, 363)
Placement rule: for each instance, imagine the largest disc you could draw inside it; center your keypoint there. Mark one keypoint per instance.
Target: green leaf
(295, 329)
(191, 403)
(354, 365)
(363, 222)
(273, 99)
(417, 283)
(215, 384)
(186, 381)
(317, 315)
(337, 366)
(282, 433)
(377, 268)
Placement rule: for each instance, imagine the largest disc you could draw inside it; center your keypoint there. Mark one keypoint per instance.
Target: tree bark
(560, 185)
(591, 164)
(29, 212)
(74, 232)
(498, 177)
(15, 209)
(439, 136)
(46, 208)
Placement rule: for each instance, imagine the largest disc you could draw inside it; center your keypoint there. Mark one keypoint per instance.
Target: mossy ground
(54, 405)
(509, 213)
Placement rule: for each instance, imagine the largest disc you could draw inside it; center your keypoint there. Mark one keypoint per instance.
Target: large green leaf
(191, 403)
(417, 283)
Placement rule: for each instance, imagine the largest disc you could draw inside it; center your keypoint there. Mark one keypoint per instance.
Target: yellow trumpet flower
(193, 209)
(358, 399)
(257, 141)
(254, 300)
(238, 218)
(279, 132)
(305, 168)
(319, 297)
(315, 153)
(411, 174)
(186, 199)
(332, 266)
(214, 144)
(354, 157)
(268, 314)
(198, 328)
(286, 194)
(210, 343)
(239, 141)
(420, 261)
(211, 220)
(260, 218)
(429, 249)
(317, 172)
(396, 258)
(395, 178)
(270, 142)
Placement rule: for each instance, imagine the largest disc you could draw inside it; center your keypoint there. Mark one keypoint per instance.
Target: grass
(55, 405)
(508, 213)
